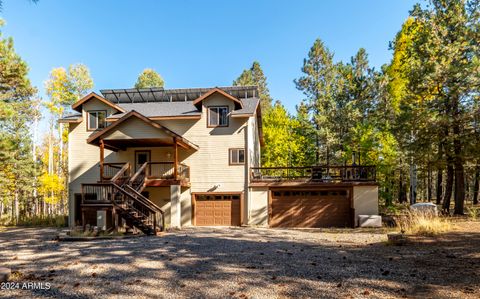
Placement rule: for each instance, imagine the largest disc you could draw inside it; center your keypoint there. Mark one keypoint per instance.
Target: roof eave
(77, 106)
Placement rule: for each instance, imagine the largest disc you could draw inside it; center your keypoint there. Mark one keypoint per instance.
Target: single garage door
(217, 209)
(310, 208)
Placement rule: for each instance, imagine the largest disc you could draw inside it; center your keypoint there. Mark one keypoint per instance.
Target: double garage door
(217, 209)
(310, 208)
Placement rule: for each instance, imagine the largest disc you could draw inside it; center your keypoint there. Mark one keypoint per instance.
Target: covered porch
(157, 162)
(144, 151)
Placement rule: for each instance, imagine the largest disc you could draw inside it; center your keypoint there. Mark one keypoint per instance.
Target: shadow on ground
(246, 262)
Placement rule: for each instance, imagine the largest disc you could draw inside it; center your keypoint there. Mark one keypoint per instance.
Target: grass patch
(424, 224)
(55, 221)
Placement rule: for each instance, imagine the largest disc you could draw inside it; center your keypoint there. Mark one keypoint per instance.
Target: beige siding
(209, 165)
(161, 197)
(186, 206)
(83, 158)
(135, 128)
(258, 206)
(365, 201)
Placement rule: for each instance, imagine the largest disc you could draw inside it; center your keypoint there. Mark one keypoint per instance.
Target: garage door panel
(310, 209)
(218, 210)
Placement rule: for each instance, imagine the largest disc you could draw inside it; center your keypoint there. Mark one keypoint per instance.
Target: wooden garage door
(310, 208)
(217, 210)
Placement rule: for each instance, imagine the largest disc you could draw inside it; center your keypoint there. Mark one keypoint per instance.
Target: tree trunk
(458, 161)
(15, 207)
(475, 185)
(413, 183)
(448, 188)
(400, 188)
(429, 183)
(459, 189)
(439, 185)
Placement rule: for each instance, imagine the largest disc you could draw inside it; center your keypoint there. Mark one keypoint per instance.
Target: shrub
(473, 212)
(423, 223)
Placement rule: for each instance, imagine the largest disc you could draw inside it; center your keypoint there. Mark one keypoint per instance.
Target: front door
(140, 158)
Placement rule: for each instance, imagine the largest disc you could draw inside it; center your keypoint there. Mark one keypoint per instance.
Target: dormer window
(217, 116)
(96, 120)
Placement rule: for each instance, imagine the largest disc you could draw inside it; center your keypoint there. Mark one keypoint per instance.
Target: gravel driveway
(243, 263)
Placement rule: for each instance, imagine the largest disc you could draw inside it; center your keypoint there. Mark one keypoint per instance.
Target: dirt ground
(245, 263)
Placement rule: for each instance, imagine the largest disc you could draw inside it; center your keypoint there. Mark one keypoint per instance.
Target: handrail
(143, 198)
(344, 173)
(145, 203)
(121, 172)
(132, 179)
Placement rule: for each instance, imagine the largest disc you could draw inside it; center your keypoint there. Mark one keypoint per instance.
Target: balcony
(150, 174)
(314, 174)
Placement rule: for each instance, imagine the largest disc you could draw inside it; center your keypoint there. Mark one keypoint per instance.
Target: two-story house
(154, 157)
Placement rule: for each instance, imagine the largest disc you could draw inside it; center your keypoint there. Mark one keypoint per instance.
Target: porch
(156, 162)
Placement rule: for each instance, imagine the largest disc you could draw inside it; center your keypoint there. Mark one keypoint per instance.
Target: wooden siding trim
(77, 106)
(71, 121)
(241, 115)
(217, 90)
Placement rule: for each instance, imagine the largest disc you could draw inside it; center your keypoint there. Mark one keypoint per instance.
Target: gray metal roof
(76, 115)
(249, 106)
(147, 95)
(161, 109)
(168, 109)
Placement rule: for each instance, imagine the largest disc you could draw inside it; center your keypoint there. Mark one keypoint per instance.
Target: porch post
(175, 158)
(175, 206)
(102, 148)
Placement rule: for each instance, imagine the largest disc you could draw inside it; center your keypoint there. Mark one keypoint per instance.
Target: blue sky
(197, 43)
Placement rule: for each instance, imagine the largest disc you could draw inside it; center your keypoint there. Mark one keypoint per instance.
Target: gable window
(96, 120)
(237, 156)
(218, 116)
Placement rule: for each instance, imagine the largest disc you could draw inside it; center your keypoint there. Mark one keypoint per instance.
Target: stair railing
(159, 214)
(143, 207)
(122, 176)
(138, 179)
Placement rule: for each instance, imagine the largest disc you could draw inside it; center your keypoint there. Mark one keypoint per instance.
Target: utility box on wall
(102, 219)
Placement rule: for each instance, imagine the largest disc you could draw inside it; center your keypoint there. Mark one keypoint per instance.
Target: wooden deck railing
(109, 170)
(165, 170)
(349, 173)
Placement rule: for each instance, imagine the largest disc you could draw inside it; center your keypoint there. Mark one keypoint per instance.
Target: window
(218, 116)
(237, 156)
(96, 120)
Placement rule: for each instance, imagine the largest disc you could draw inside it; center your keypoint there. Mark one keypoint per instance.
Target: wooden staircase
(122, 192)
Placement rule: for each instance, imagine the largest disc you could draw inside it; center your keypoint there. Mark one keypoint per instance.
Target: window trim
(208, 116)
(230, 150)
(88, 120)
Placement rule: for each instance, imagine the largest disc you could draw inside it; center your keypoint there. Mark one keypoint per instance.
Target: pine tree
(254, 76)
(16, 162)
(319, 85)
(445, 64)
